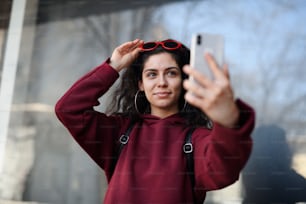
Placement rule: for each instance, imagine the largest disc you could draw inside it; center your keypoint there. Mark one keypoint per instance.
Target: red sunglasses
(166, 44)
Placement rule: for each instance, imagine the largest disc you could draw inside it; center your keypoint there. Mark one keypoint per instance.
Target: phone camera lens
(199, 39)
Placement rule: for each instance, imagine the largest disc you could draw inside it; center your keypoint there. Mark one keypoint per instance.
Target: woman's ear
(140, 85)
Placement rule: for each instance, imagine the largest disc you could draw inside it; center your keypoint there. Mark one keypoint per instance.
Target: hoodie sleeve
(95, 132)
(221, 153)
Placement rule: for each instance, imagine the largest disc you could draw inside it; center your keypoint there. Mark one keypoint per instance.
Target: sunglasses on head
(166, 44)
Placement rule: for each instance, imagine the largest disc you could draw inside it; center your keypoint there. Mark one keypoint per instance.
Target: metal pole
(10, 63)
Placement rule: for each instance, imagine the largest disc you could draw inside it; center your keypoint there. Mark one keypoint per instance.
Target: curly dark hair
(123, 99)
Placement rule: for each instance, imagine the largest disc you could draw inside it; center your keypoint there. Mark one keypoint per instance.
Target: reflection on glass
(269, 176)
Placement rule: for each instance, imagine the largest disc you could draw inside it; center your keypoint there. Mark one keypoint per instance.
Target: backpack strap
(188, 150)
(123, 140)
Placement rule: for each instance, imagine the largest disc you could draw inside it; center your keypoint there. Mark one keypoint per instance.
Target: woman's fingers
(129, 46)
(215, 96)
(197, 76)
(124, 54)
(194, 100)
(213, 65)
(194, 88)
(226, 71)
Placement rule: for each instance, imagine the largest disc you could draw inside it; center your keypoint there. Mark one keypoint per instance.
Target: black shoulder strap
(123, 140)
(188, 150)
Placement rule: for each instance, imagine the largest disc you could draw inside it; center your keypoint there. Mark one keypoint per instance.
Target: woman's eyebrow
(149, 69)
(154, 69)
(172, 68)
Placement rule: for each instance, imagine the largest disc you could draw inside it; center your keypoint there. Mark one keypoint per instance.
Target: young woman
(157, 105)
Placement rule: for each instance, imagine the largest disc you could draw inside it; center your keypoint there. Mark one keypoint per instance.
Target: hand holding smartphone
(202, 43)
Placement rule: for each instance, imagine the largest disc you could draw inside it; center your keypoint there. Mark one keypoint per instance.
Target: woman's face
(162, 84)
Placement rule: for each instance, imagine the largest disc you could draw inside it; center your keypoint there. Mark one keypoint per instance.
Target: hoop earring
(135, 101)
(184, 107)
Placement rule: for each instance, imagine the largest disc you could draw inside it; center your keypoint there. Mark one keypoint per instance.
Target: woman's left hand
(214, 97)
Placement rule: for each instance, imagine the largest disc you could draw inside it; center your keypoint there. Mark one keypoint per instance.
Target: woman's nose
(162, 81)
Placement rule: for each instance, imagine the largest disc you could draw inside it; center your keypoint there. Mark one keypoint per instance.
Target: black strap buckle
(124, 139)
(188, 148)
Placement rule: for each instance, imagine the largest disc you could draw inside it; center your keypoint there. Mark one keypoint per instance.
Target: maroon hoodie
(152, 166)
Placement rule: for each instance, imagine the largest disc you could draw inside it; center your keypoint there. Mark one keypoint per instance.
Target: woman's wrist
(114, 65)
(233, 117)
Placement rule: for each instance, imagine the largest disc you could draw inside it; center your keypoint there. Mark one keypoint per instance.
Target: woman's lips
(162, 94)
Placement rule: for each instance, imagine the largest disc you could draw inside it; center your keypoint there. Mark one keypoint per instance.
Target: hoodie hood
(172, 120)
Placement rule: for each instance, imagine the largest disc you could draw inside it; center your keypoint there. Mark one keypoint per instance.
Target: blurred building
(45, 46)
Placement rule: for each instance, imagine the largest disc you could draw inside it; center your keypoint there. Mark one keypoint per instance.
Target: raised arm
(96, 132)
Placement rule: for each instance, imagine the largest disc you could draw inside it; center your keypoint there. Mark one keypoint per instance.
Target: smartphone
(202, 43)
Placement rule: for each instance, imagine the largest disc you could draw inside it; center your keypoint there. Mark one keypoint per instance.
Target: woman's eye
(151, 74)
(172, 73)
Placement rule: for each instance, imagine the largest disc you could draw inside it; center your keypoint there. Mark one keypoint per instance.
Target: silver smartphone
(206, 42)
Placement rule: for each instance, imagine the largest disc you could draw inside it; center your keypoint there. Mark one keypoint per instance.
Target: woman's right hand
(125, 54)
